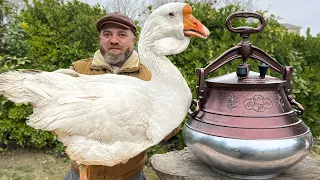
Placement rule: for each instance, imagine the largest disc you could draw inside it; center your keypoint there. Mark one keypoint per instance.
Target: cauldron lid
(252, 79)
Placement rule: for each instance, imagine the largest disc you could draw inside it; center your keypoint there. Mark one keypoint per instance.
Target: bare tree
(132, 8)
(157, 3)
(138, 9)
(248, 5)
(7, 8)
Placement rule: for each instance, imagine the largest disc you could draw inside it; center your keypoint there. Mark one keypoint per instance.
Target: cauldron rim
(252, 79)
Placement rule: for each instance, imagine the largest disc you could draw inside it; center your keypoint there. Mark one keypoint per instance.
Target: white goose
(107, 119)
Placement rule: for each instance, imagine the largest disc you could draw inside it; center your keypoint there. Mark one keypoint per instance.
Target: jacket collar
(131, 65)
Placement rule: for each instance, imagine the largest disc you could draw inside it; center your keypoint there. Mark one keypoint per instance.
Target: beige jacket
(97, 65)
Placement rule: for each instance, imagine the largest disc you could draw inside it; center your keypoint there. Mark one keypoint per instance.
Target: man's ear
(134, 39)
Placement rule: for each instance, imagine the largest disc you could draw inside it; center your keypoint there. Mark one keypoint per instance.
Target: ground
(29, 164)
(26, 164)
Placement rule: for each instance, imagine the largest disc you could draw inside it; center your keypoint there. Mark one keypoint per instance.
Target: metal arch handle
(197, 108)
(244, 50)
(245, 30)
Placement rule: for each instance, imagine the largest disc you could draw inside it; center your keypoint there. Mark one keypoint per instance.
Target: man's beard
(113, 58)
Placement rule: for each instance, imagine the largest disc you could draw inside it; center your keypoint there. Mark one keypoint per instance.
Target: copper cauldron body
(244, 125)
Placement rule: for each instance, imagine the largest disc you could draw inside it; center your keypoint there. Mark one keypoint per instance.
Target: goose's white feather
(108, 119)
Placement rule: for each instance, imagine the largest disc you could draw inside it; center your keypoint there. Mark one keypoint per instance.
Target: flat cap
(117, 18)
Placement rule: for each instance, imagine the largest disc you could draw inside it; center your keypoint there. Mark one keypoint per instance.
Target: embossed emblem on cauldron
(232, 102)
(258, 103)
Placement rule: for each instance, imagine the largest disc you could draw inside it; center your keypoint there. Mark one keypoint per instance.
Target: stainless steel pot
(245, 158)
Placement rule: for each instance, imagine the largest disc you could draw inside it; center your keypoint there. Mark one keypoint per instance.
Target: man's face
(116, 44)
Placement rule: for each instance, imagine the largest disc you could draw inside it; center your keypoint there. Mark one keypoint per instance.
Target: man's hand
(172, 133)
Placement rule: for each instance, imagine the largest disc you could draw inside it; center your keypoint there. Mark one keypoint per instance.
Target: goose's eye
(171, 14)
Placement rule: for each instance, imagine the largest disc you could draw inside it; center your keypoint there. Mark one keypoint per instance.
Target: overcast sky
(303, 13)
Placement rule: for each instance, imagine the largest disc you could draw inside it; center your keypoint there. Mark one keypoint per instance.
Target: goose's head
(168, 29)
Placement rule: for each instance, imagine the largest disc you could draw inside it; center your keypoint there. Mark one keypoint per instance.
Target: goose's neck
(159, 66)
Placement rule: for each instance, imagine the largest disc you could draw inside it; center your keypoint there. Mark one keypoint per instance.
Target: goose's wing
(103, 109)
(61, 101)
(106, 127)
(34, 86)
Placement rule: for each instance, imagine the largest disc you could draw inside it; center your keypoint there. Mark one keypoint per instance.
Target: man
(116, 55)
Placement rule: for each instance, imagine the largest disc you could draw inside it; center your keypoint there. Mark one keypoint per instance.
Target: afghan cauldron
(243, 124)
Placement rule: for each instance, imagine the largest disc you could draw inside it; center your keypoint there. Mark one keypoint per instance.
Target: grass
(25, 164)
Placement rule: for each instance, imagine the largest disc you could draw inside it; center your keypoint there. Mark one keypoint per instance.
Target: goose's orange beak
(193, 27)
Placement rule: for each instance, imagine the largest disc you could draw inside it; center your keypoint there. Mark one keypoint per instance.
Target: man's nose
(114, 40)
